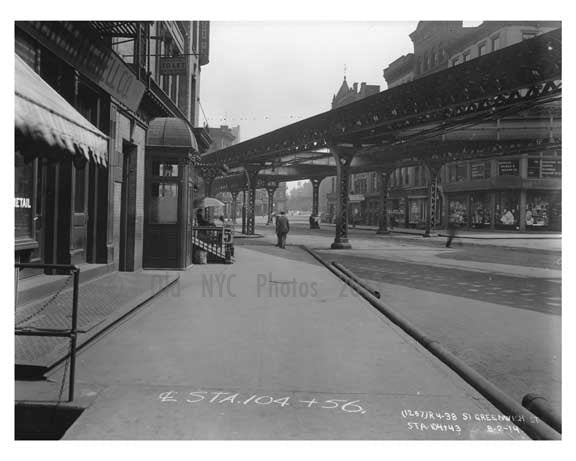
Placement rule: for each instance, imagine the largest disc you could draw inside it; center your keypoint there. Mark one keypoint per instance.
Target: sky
(263, 75)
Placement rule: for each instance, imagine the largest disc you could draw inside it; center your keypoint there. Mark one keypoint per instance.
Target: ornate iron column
(434, 167)
(271, 187)
(384, 183)
(343, 157)
(234, 210)
(252, 178)
(315, 194)
(244, 210)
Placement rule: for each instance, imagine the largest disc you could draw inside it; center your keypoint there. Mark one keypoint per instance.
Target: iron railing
(216, 240)
(71, 333)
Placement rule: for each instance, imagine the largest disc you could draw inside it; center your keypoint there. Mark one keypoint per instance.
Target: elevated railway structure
(502, 103)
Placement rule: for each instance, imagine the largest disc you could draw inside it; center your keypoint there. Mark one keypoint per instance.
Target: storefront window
(480, 209)
(506, 213)
(543, 210)
(164, 203)
(510, 167)
(415, 211)
(397, 213)
(23, 193)
(458, 209)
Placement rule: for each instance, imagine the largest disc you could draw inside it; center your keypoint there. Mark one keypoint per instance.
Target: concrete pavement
(101, 302)
(267, 349)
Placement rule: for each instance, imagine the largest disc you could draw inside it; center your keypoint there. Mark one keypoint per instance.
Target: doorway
(128, 208)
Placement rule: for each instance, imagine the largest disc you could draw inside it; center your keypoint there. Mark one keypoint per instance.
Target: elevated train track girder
(499, 84)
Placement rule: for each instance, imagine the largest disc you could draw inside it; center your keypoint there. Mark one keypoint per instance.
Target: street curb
(518, 414)
(246, 236)
(418, 234)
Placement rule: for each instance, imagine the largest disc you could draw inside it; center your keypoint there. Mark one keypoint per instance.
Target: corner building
(115, 78)
(518, 192)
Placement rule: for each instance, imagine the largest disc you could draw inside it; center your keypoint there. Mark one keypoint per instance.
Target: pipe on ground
(525, 420)
(540, 406)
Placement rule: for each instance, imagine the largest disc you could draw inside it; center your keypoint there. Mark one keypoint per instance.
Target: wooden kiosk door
(163, 226)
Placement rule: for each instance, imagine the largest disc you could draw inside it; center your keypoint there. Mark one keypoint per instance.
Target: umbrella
(207, 202)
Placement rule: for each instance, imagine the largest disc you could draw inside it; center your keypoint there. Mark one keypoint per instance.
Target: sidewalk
(101, 302)
(268, 349)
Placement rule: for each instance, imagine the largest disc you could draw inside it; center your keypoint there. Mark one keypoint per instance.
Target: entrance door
(128, 208)
(163, 226)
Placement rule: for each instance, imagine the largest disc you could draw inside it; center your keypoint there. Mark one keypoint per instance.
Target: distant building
(223, 137)
(518, 192)
(327, 192)
(346, 95)
(87, 93)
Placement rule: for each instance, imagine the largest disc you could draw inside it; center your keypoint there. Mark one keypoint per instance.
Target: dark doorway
(128, 208)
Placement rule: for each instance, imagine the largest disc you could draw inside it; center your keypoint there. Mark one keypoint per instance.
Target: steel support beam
(252, 179)
(234, 209)
(343, 157)
(384, 185)
(271, 192)
(434, 167)
(316, 195)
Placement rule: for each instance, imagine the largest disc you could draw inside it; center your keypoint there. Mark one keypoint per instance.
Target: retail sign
(204, 42)
(173, 66)
(508, 167)
(478, 170)
(88, 55)
(551, 168)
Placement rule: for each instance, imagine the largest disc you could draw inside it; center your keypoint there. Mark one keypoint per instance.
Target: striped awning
(44, 116)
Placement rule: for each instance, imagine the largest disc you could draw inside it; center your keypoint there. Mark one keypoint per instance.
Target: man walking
(282, 229)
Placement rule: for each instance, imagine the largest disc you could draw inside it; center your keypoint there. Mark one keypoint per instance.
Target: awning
(45, 116)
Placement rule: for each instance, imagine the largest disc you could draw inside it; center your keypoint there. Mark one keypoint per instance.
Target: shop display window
(458, 210)
(506, 213)
(415, 216)
(23, 194)
(397, 213)
(480, 210)
(543, 210)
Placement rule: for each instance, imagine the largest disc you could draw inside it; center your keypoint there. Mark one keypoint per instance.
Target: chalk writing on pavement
(236, 399)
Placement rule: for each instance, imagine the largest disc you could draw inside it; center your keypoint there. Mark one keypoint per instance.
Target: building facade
(518, 192)
(119, 76)
(358, 182)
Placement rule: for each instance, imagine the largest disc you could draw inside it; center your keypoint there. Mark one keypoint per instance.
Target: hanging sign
(173, 65)
(204, 42)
